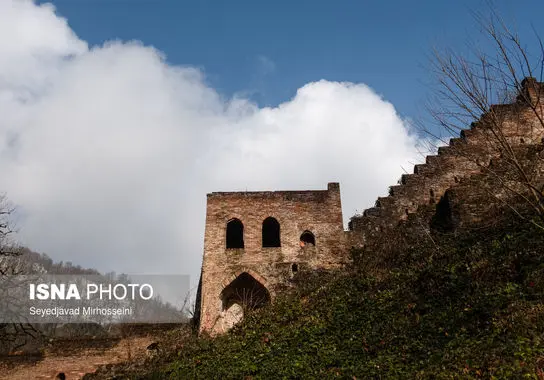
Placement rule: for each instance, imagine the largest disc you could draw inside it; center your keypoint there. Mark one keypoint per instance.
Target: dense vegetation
(466, 305)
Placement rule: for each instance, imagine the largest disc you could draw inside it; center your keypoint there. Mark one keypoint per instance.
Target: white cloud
(110, 151)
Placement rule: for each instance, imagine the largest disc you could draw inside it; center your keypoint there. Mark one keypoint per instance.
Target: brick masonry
(319, 212)
(453, 180)
(473, 153)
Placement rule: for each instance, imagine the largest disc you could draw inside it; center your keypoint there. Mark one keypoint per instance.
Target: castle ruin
(256, 241)
(463, 161)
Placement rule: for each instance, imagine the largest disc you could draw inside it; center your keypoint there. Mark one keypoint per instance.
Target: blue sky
(119, 147)
(268, 49)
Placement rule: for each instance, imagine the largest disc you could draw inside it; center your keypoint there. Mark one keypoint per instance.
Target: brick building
(255, 241)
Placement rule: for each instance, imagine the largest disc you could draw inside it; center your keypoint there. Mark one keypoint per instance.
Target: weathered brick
(457, 169)
(319, 212)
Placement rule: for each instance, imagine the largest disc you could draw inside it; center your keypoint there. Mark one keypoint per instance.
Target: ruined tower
(254, 243)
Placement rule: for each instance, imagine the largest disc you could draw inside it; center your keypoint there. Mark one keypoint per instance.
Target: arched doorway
(243, 294)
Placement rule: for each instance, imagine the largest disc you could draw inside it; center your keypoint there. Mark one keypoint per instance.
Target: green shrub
(471, 309)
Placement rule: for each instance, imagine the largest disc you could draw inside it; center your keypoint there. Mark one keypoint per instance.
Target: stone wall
(461, 180)
(484, 199)
(319, 212)
(470, 154)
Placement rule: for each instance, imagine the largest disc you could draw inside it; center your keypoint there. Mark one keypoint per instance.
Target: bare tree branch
(468, 89)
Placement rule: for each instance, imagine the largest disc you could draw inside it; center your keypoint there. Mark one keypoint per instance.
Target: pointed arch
(245, 291)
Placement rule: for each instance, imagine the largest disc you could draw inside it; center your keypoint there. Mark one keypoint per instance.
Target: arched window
(235, 234)
(271, 233)
(307, 239)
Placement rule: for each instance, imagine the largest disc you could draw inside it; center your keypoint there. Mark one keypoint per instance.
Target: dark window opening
(271, 233)
(294, 268)
(245, 291)
(235, 234)
(307, 239)
(445, 218)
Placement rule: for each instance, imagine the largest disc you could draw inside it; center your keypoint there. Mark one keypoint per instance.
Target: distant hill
(42, 263)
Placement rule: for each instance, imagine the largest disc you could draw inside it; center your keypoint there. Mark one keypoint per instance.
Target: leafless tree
(252, 298)
(7, 246)
(470, 90)
(12, 335)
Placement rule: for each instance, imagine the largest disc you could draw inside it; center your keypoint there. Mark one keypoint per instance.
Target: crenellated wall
(480, 200)
(466, 156)
(461, 180)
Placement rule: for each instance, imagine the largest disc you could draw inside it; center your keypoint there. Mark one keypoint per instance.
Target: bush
(473, 308)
